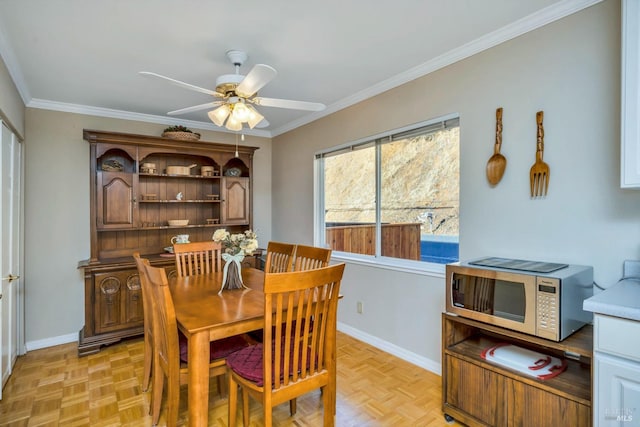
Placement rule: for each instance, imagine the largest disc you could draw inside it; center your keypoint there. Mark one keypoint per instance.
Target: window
(394, 196)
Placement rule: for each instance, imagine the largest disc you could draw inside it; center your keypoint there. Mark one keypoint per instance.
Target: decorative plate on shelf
(233, 172)
(112, 166)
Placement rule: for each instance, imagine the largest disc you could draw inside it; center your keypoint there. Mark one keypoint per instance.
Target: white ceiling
(84, 55)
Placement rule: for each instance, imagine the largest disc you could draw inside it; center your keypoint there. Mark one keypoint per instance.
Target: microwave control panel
(547, 307)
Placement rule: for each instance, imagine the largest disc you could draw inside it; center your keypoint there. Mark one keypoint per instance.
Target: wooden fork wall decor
(539, 174)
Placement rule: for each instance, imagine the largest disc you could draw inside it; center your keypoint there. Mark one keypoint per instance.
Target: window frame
(377, 260)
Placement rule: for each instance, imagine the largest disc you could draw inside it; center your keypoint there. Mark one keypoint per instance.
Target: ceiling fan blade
(182, 84)
(287, 103)
(195, 108)
(257, 78)
(263, 124)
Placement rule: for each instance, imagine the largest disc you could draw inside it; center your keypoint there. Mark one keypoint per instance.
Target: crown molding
(522, 26)
(140, 117)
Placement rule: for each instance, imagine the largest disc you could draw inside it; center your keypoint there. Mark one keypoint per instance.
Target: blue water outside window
(439, 249)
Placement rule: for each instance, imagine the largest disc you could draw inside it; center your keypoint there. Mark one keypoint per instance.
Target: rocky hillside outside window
(395, 196)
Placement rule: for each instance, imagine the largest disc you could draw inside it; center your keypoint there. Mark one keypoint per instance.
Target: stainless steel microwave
(537, 298)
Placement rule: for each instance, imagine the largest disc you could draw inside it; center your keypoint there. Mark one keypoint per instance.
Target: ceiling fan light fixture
(254, 117)
(240, 112)
(233, 124)
(219, 115)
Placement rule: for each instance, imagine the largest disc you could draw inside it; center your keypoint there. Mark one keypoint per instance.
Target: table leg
(198, 396)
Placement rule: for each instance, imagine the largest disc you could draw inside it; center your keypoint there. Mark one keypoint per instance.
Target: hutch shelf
(138, 184)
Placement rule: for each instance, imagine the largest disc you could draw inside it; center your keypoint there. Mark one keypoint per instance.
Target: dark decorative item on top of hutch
(130, 206)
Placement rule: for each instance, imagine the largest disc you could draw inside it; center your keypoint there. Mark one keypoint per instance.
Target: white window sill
(397, 264)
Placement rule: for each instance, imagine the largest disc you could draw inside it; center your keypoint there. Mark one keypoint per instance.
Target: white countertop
(620, 300)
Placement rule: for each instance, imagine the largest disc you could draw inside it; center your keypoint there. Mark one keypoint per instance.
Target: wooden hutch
(132, 198)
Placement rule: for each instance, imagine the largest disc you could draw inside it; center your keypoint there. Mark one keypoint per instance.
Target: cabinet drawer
(617, 336)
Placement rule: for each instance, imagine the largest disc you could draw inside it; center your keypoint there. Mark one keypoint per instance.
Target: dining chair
(308, 258)
(147, 312)
(197, 257)
(279, 257)
(170, 351)
(291, 367)
(311, 257)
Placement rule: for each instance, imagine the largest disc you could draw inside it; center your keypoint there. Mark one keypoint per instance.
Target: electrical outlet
(359, 307)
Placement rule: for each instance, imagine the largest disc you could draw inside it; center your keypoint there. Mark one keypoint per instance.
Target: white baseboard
(50, 342)
(423, 362)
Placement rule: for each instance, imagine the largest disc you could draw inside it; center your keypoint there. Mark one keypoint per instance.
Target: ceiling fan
(237, 94)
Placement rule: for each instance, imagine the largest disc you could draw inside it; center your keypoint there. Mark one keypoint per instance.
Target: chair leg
(148, 364)
(245, 407)
(173, 401)
(221, 384)
(233, 401)
(328, 413)
(156, 395)
(293, 406)
(268, 414)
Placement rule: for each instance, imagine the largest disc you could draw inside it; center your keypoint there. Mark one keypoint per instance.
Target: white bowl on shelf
(178, 222)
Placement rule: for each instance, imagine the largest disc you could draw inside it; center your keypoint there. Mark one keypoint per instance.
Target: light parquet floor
(55, 387)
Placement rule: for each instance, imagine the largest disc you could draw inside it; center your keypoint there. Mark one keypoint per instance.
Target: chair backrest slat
(279, 257)
(197, 258)
(311, 257)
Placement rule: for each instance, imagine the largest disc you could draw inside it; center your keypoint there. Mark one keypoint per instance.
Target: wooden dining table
(203, 315)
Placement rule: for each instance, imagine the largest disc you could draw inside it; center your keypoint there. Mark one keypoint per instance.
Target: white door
(10, 173)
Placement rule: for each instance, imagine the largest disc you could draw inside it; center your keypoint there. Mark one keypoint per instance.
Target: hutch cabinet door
(118, 301)
(116, 200)
(235, 200)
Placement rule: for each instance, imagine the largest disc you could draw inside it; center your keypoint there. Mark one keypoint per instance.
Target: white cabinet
(630, 131)
(616, 372)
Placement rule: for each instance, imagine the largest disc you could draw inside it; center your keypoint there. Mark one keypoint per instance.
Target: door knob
(11, 278)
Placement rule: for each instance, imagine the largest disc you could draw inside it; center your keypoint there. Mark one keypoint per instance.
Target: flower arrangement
(234, 244)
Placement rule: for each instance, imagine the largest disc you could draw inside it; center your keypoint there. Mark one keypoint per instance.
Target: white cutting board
(525, 361)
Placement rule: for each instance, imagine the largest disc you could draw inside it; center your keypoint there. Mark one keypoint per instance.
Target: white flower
(220, 235)
(246, 242)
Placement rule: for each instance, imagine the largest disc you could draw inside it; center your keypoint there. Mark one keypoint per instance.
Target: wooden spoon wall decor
(539, 174)
(497, 163)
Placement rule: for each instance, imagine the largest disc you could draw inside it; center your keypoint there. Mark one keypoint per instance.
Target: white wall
(570, 69)
(57, 215)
